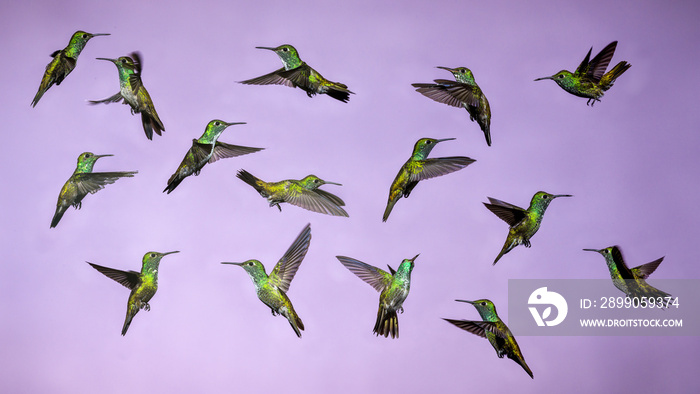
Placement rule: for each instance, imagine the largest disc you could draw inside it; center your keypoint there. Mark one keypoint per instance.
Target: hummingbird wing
(448, 92)
(111, 99)
(375, 277)
(479, 327)
(223, 150)
(309, 199)
(432, 168)
(597, 66)
(273, 78)
(129, 279)
(625, 272)
(582, 68)
(644, 270)
(509, 213)
(300, 77)
(330, 197)
(283, 273)
(93, 181)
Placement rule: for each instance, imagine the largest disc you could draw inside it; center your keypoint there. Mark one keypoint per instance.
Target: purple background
(631, 162)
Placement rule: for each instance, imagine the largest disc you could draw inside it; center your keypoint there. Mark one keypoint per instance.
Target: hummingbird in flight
(63, 62)
(304, 193)
(143, 285)
(207, 149)
(590, 79)
(296, 73)
(495, 330)
(272, 290)
(393, 287)
(461, 93)
(132, 91)
(82, 182)
(631, 281)
(419, 167)
(523, 223)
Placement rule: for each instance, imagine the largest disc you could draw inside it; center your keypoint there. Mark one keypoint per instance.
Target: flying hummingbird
(82, 182)
(205, 150)
(418, 167)
(143, 285)
(493, 329)
(462, 93)
(630, 281)
(64, 61)
(304, 193)
(296, 73)
(523, 223)
(132, 91)
(393, 286)
(272, 290)
(590, 79)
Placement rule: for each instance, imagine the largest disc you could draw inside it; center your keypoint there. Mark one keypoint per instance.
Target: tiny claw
(400, 309)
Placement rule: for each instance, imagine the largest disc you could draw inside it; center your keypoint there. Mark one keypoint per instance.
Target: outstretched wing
(129, 279)
(311, 200)
(93, 181)
(597, 66)
(478, 327)
(283, 273)
(273, 78)
(223, 150)
(644, 270)
(509, 213)
(439, 166)
(625, 272)
(448, 92)
(375, 277)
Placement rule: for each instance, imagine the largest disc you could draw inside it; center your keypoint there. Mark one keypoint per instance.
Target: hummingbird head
(151, 260)
(423, 146)
(486, 308)
(312, 182)
(216, 127)
(542, 199)
(80, 38)
(86, 161)
(562, 78)
(126, 63)
(407, 265)
(461, 74)
(288, 54)
(606, 252)
(254, 268)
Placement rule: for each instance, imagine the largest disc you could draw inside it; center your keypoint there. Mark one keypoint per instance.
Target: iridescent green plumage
(418, 167)
(495, 330)
(143, 285)
(304, 193)
(523, 223)
(461, 93)
(630, 281)
(297, 73)
(205, 150)
(82, 182)
(393, 286)
(64, 61)
(272, 290)
(132, 91)
(590, 79)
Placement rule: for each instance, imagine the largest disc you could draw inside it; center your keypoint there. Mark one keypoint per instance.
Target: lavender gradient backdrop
(631, 161)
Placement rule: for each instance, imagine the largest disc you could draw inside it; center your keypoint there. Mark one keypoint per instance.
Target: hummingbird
(462, 93)
(64, 61)
(304, 193)
(393, 286)
(495, 330)
(296, 73)
(143, 285)
(590, 79)
(82, 182)
(205, 150)
(272, 290)
(418, 167)
(523, 223)
(132, 91)
(630, 281)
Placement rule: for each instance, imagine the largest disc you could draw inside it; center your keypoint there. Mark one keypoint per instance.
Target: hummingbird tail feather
(607, 81)
(339, 92)
(127, 321)
(173, 182)
(250, 179)
(296, 324)
(57, 216)
(389, 207)
(387, 323)
(523, 364)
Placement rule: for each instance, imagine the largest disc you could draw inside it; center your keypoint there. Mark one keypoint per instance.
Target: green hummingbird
(393, 286)
(296, 73)
(590, 79)
(304, 193)
(272, 290)
(82, 182)
(205, 150)
(143, 285)
(462, 93)
(132, 91)
(495, 330)
(523, 223)
(418, 167)
(64, 61)
(630, 281)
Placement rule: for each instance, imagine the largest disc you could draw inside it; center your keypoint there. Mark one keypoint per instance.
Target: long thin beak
(231, 124)
(99, 34)
(98, 156)
(445, 68)
(238, 264)
(561, 195)
(166, 253)
(106, 58)
(333, 183)
(445, 139)
(414, 257)
(593, 250)
(539, 79)
(468, 302)
(268, 48)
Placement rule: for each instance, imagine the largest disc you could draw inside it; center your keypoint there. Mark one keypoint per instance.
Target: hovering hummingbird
(523, 223)
(493, 329)
(143, 285)
(393, 286)
(462, 93)
(296, 73)
(82, 182)
(205, 150)
(304, 193)
(132, 91)
(418, 167)
(272, 289)
(64, 61)
(590, 79)
(630, 281)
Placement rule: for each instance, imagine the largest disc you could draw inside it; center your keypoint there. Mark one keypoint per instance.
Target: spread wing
(597, 66)
(112, 99)
(93, 181)
(509, 213)
(375, 277)
(129, 279)
(311, 200)
(448, 92)
(478, 327)
(299, 77)
(223, 150)
(644, 270)
(440, 166)
(283, 273)
(330, 197)
(625, 272)
(273, 78)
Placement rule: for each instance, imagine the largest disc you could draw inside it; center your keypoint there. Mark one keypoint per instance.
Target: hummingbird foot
(274, 313)
(400, 309)
(145, 306)
(526, 242)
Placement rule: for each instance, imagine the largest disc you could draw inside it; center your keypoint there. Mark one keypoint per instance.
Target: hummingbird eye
(216, 123)
(87, 155)
(153, 255)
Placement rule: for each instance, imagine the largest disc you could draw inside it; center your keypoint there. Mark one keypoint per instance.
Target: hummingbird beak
(468, 302)
(593, 250)
(98, 156)
(99, 34)
(445, 139)
(414, 258)
(268, 48)
(561, 195)
(550, 77)
(166, 253)
(108, 59)
(445, 68)
(238, 264)
(333, 183)
(231, 124)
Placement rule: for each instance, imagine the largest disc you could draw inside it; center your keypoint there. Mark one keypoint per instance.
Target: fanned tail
(339, 92)
(250, 179)
(523, 364)
(607, 81)
(297, 324)
(387, 323)
(151, 124)
(60, 210)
